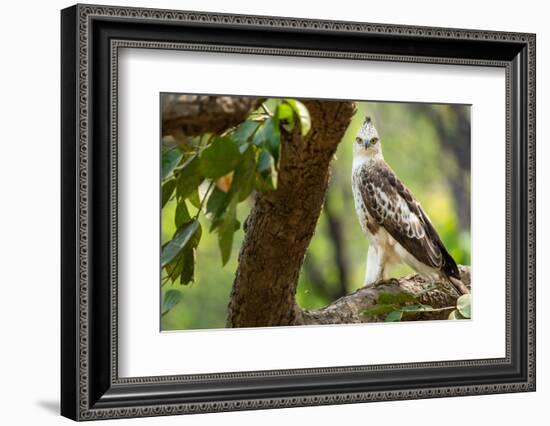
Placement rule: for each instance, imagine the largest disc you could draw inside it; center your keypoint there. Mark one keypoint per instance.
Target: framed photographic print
(263, 212)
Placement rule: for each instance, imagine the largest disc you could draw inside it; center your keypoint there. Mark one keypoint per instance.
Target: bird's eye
(373, 141)
(358, 140)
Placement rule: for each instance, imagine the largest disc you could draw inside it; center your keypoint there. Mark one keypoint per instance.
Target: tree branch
(350, 308)
(193, 115)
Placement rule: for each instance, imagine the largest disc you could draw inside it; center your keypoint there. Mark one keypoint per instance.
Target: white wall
(29, 225)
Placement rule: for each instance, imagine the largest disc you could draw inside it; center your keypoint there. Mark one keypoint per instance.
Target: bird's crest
(367, 124)
(367, 129)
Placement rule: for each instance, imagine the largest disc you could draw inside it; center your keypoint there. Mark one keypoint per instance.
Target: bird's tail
(459, 285)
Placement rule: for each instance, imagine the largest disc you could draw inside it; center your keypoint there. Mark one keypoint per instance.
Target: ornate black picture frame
(91, 36)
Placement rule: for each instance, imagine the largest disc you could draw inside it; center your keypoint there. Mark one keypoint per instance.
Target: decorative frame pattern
(91, 388)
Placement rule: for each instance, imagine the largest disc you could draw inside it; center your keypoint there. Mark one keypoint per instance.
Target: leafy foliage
(213, 174)
(219, 158)
(186, 236)
(396, 306)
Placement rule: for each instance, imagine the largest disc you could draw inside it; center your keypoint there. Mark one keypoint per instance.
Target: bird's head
(367, 142)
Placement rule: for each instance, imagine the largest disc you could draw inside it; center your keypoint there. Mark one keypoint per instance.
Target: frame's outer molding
(91, 388)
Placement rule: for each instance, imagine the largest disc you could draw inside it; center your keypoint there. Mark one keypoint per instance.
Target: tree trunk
(281, 223)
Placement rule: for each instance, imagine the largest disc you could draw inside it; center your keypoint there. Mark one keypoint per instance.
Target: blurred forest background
(427, 145)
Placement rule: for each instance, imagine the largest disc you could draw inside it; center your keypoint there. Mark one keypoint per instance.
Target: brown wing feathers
(391, 204)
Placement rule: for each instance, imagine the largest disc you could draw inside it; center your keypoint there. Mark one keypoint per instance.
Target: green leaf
(286, 116)
(182, 267)
(171, 298)
(394, 316)
(226, 230)
(182, 214)
(167, 191)
(243, 179)
(189, 177)
(244, 132)
(463, 305)
(180, 240)
(170, 159)
(194, 198)
(273, 138)
(395, 298)
(219, 158)
(174, 268)
(260, 136)
(269, 137)
(188, 266)
(266, 178)
(195, 240)
(379, 310)
(216, 206)
(302, 113)
(265, 162)
(455, 315)
(217, 201)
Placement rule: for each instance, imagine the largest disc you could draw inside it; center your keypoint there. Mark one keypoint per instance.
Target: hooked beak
(366, 143)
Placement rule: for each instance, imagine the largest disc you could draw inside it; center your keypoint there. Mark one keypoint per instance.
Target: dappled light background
(427, 145)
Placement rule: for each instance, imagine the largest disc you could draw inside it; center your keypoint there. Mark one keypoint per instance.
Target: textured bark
(193, 115)
(349, 309)
(281, 223)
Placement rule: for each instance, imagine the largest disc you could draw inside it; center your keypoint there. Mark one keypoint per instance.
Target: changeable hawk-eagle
(398, 229)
